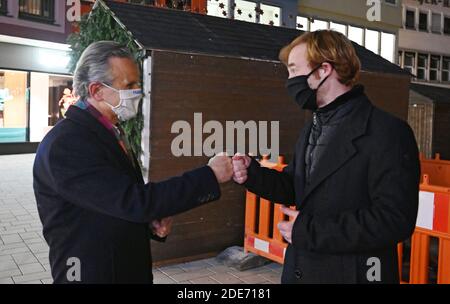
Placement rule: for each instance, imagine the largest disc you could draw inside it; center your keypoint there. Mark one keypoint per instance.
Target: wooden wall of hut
(441, 130)
(420, 118)
(228, 89)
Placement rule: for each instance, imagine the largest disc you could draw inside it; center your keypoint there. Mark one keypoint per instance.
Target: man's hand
(286, 226)
(162, 228)
(240, 166)
(222, 167)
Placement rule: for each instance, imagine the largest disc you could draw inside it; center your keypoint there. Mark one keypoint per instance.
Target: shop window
(13, 106)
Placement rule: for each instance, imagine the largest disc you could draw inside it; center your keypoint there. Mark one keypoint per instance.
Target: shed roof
(435, 93)
(175, 30)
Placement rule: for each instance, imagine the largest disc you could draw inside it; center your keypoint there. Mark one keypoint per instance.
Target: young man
(354, 178)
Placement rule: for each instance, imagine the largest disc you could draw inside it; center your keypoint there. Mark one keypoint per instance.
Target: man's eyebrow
(291, 64)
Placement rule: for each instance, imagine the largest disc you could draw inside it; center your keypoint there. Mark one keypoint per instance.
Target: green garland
(97, 26)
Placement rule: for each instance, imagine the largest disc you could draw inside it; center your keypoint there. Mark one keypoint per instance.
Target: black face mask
(299, 89)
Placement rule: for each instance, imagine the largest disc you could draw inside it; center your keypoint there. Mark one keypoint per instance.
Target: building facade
(269, 12)
(424, 41)
(350, 17)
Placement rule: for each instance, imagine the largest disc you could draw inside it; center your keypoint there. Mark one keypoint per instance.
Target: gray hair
(94, 65)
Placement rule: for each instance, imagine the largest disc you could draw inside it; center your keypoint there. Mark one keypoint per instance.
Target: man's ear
(327, 69)
(95, 91)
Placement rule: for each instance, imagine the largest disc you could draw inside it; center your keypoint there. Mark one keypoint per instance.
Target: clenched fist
(162, 228)
(222, 167)
(240, 166)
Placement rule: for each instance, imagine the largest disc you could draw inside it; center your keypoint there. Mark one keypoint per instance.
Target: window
(387, 46)
(435, 62)
(435, 66)
(355, 34)
(436, 23)
(422, 63)
(245, 11)
(302, 23)
(37, 10)
(341, 28)
(13, 106)
(409, 62)
(400, 57)
(410, 22)
(218, 9)
(372, 41)
(149, 2)
(447, 25)
(423, 21)
(271, 15)
(317, 25)
(393, 2)
(3, 7)
(446, 69)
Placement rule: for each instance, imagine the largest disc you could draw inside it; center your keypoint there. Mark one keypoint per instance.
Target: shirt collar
(85, 105)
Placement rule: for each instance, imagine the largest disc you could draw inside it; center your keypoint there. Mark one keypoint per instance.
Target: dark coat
(360, 202)
(94, 205)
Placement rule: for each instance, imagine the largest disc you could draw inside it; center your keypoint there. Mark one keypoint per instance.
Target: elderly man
(354, 178)
(94, 205)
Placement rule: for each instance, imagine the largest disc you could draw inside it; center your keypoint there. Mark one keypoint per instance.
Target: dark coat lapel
(341, 148)
(83, 118)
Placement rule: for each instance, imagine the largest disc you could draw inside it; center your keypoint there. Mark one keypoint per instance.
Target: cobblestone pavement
(24, 252)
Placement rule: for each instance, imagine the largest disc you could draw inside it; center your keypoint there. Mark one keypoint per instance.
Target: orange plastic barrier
(437, 169)
(433, 221)
(262, 236)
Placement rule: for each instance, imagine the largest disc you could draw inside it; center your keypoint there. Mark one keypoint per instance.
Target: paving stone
(9, 273)
(24, 258)
(32, 277)
(7, 265)
(6, 281)
(192, 266)
(171, 270)
(192, 275)
(31, 268)
(47, 281)
(226, 278)
(205, 280)
(12, 238)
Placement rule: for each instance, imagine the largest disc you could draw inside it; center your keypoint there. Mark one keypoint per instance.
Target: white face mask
(128, 105)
